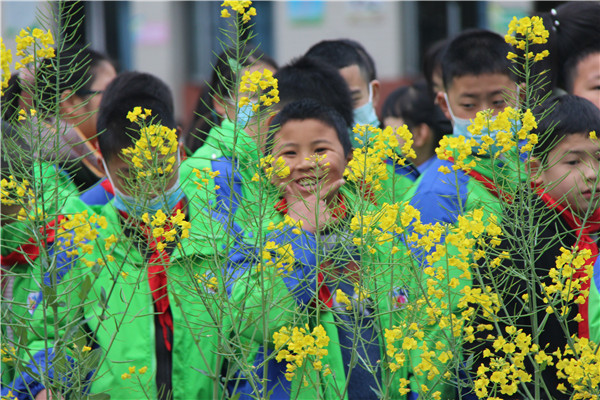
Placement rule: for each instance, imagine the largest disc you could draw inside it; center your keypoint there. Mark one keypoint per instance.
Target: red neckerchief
(324, 295)
(487, 183)
(107, 186)
(584, 241)
(28, 252)
(157, 276)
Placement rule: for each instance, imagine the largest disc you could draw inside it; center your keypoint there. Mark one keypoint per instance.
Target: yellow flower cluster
(272, 166)
(251, 82)
(26, 39)
(14, 192)
(239, 6)
(5, 60)
(154, 153)
(376, 227)
(404, 134)
(342, 298)
(524, 32)
(580, 365)
(131, 371)
(7, 353)
(505, 124)
(506, 367)
(164, 229)
(280, 258)
(408, 338)
(287, 221)
(301, 344)
(459, 149)
(367, 167)
(78, 230)
(208, 281)
(564, 286)
(205, 176)
(23, 114)
(137, 113)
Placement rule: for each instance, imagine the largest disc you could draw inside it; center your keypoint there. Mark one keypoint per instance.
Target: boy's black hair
(415, 106)
(310, 109)
(569, 69)
(307, 77)
(343, 53)
(569, 115)
(221, 83)
(127, 91)
(72, 69)
(432, 62)
(476, 52)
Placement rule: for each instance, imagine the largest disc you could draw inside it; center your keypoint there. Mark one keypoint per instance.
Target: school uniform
(537, 231)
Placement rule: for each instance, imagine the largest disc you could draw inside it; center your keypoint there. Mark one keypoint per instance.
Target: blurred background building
(178, 40)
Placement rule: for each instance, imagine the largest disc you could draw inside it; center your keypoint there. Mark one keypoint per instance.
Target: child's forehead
(305, 130)
(579, 142)
(480, 84)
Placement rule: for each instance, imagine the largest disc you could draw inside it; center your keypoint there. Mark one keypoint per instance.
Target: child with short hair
(150, 309)
(357, 67)
(323, 292)
(233, 152)
(413, 106)
(476, 77)
(564, 213)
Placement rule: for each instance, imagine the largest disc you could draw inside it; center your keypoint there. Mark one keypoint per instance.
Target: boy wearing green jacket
(319, 304)
(138, 311)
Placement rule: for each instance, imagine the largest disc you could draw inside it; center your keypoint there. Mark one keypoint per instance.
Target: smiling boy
(323, 287)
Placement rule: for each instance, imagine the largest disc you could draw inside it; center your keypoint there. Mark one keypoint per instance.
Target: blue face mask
(365, 114)
(135, 208)
(244, 114)
(460, 127)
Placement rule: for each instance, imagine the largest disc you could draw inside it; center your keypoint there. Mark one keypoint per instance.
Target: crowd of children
(242, 259)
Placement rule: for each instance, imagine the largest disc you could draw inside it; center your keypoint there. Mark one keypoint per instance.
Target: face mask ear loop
(112, 183)
(370, 92)
(448, 104)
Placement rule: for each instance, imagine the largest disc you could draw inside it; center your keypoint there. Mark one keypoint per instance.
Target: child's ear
(180, 147)
(534, 169)
(421, 135)
(441, 99)
(376, 87)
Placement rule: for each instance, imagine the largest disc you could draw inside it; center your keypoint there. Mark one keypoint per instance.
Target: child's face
(469, 94)
(359, 87)
(570, 174)
(298, 142)
(587, 79)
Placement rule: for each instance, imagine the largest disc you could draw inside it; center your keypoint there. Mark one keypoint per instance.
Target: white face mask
(460, 127)
(365, 114)
(165, 201)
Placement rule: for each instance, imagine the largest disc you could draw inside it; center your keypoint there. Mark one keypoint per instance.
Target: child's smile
(314, 154)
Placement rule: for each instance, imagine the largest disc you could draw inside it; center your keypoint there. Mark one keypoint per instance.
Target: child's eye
(499, 103)
(289, 153)
(320, 150)
(469, 105)
(572, 162)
